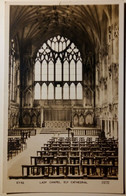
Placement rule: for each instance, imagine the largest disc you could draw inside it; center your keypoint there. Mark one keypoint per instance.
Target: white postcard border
(93, 185)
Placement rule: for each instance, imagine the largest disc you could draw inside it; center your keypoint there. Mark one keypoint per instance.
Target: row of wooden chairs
(15, 145)
(20, 131)
(17, 140)
(82, 140)
(74, 158)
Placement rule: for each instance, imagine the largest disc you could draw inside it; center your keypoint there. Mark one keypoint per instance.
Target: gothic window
(79, 71)
(44, 71)
(37, 91)
(50, 91)
(37, 71)
(66, 71)
(79, 91)
(58, 92)
(72, 70)
(66, 91)
(72, 91)
(44, 91)
(58, 70)
(51, 71)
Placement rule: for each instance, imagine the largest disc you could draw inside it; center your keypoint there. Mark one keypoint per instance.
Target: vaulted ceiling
(80, 23)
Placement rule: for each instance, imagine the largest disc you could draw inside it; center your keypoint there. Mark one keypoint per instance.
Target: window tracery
(58, 70)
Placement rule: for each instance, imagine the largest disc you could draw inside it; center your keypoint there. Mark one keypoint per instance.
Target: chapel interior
(63, 91)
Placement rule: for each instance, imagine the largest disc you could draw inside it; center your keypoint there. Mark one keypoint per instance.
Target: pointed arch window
(51, 71)
(72, 70)
(56, 46)
(79, 91)
(72, 91)
(66, 71)
(44, 91)
(58, 68)
(79, 71)
(53, 45)
(37, 91)
(58, 92)
(50, 91)
(37, 71)
(44, 71)
(66, 91)
(63, 45)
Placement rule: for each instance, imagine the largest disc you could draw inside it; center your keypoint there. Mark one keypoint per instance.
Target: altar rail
(86, 131)
(20, 131)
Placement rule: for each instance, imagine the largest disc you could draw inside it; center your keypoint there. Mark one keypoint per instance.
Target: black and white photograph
(63, 98)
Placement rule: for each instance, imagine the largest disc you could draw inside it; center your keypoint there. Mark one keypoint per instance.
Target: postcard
(64, 97)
